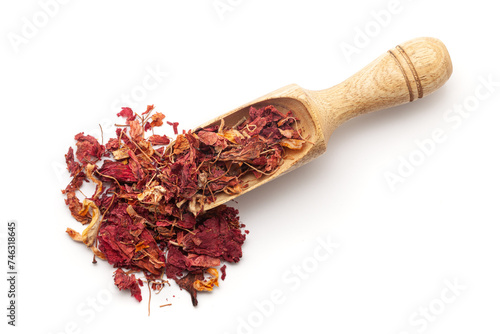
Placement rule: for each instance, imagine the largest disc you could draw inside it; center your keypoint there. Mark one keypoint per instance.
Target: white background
(399, 249)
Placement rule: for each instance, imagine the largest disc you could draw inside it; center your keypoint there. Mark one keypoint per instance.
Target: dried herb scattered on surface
(146, 213)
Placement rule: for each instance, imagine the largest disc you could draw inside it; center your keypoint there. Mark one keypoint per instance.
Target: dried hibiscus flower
(147, 211)
(126, 281)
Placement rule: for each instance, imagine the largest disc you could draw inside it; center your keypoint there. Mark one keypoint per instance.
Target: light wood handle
(404, 74)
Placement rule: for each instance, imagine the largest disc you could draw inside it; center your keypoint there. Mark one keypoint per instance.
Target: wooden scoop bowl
(410, 71)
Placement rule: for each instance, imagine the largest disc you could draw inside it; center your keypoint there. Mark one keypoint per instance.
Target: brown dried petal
(157, 119)
(181, 144)
(186, 283)
(75, 206)
(249, 152)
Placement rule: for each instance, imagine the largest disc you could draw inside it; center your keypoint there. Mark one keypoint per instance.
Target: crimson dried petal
(272, 134)
(223, 271)
(178, 262)
(119, 237)
(159, 140)
(88, 148)
(254, 113)
(260, 161)
(149, 109)
(188, 221)
(275, 113)
(175, 263)
(127, 113)
(135, 166)
(112, 144)
(117, 170)
(216, 237)
(73, 166)
(174, 125)
(126, 281)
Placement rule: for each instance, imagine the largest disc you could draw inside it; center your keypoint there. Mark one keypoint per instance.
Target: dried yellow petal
(74, 234)
(89, 171)
(294, 144)
(98, 253)
(232, 134)
(89, 235)
(152, 194)
(121, 153)
(208, 285)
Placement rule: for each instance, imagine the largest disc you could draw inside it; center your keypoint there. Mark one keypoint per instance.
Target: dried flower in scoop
(147, 211)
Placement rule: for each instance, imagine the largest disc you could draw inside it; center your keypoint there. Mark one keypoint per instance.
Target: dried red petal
(127, 113)
(126, 281)
(217, 236)
(120, 236)
(88, 149)
(159, 140)
(175, 263)
(73, 166)
(223, 271)
(249, 152)
(149, 109)
(117, 170)
(208, 138)
(175, 125)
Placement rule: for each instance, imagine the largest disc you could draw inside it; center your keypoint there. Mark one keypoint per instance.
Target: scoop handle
(409, 71)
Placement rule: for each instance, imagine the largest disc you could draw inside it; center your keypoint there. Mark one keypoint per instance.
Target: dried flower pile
(146, 213)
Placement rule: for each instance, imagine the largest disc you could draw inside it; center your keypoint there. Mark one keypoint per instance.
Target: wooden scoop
(408, 72)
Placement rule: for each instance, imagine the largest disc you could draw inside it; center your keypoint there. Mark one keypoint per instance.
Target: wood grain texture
(409, 71)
